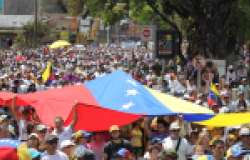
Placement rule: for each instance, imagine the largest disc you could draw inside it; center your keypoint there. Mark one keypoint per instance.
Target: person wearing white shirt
(231, 74)
(39, 85)
(64, 133)
(174, 141)
(52, 153)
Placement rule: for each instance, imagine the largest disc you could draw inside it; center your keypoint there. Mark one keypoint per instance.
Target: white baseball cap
(244, 131)
(174, 126)
(66, 143)
(33, 135)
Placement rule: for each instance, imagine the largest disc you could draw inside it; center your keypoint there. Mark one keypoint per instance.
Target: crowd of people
(163, 137)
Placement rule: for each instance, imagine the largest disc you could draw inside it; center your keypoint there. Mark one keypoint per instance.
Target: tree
(215, 25)
(43, 33)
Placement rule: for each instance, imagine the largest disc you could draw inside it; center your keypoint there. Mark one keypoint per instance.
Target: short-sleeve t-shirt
(184, 148)
(111, 148)
(155, 135)
(65, 135)
(58, 156)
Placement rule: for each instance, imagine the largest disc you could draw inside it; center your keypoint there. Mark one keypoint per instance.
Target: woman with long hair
(204, 142)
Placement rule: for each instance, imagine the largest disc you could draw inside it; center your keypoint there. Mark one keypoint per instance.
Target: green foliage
(43, 32)
(223, 22)
(75, 7)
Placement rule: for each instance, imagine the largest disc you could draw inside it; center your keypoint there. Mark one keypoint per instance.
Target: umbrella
(58, 44)
(19, 58)
(79, 46)
(74, 78)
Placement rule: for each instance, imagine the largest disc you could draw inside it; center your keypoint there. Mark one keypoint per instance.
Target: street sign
(147, 33)
(199, 62)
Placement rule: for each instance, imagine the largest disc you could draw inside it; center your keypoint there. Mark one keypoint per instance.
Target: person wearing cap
(244, 88)
(243, 145)
(155, 142)
(169, 154)
(229, 103)
(115, 144)
(51, 152)
(64, 133)
(174, 141)
(218, 148)
(85, 154)
(67, 147)
(42, 131)
(81, 139)
(33, 141)
(97, 144)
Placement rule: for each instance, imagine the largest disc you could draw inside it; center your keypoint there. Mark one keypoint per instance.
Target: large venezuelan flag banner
(214, 97)
(48, 74)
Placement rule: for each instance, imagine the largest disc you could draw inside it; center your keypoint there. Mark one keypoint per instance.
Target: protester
(174, 141)
(116, 144)
(218, 151)
(97, 145)
(64, 133)
(67, 147)
(51, 152)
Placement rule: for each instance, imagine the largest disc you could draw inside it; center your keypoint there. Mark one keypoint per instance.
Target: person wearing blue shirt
(160, 132)
(165, 87)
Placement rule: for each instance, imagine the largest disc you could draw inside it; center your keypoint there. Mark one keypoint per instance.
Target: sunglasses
(42, 131)
(175, 130)
(245, 136)
(52, 142)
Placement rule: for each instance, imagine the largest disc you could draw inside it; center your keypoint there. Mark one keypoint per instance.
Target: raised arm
(13, 109)
(146, 127)
(73, 123)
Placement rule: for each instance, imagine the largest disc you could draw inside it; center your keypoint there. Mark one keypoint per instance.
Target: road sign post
(199, 62)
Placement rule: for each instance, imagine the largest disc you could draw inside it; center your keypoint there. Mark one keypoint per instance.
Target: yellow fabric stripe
(178, 105)
(23, 153)
(227, 119)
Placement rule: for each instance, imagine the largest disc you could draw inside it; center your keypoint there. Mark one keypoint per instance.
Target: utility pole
(35, 23)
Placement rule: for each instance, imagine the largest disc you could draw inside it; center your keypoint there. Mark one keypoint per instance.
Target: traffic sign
(199, 62)
(146, 33)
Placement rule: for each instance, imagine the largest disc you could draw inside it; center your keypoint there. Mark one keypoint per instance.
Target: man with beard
(115, 144)
(174, 141)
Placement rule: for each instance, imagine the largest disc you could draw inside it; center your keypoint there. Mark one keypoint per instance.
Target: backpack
(112, 149)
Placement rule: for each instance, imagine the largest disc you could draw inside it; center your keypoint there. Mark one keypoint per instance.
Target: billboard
(64, 35)
(134, 30)
(62, 24)
(90, 35)
(165, 43)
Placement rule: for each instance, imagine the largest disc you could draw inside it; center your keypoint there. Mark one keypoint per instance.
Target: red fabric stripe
(8, 153)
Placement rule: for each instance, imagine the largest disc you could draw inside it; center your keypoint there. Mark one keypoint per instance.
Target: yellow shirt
(137, 138)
